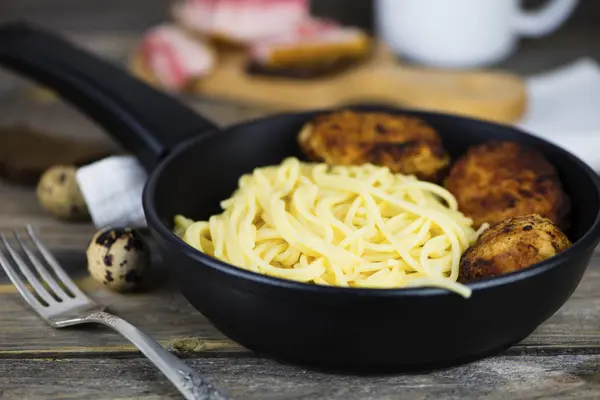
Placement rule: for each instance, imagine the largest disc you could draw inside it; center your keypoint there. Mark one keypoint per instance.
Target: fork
(61, 303)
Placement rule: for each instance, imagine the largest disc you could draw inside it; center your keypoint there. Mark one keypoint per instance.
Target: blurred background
(579, 35)
(112, 28)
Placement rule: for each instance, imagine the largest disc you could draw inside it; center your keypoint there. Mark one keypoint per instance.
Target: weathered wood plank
(560, 360)
(75, 15)
(246, 378)
(575, 326)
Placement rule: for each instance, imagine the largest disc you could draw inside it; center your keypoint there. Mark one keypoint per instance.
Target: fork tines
(45, 287)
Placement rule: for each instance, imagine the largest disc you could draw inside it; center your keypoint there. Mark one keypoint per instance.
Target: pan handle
(145, 121)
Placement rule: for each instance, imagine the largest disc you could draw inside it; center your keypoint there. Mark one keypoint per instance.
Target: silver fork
(66, 305)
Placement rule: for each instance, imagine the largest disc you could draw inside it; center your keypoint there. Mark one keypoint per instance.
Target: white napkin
(112, 189)
(564, 108)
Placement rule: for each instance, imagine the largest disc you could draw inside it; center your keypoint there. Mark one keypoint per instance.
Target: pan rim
(588, 239)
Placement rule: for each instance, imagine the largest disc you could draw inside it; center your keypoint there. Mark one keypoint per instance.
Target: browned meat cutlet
(512, 245)
(403, 143)
(498, 180)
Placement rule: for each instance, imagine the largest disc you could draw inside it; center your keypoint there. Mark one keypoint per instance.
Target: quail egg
(118, 258)
(58, 192)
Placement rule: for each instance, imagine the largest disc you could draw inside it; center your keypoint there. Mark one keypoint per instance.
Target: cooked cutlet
(500, 179)
(403, 143)
(512, 245)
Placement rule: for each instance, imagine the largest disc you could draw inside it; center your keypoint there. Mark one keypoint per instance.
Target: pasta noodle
(351, 226)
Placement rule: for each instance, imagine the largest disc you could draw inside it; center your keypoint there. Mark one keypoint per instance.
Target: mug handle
(546, 20)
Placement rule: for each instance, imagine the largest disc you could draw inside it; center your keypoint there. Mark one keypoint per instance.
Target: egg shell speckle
(58, 192)
(118, 258)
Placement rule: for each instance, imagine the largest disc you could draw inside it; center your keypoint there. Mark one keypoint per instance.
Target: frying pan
(194, 165)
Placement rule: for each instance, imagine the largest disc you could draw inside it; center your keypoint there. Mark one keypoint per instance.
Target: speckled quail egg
(118, 258)
(58, 192)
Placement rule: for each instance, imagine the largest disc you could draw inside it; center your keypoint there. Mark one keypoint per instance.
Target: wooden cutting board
(491, 95)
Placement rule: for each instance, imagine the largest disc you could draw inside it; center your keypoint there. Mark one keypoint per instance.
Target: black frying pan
(193, 168)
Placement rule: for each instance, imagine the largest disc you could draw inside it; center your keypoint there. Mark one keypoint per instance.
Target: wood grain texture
(488, 95)
(165, 314)
(560, 360)
(162, 312)
(248, 378)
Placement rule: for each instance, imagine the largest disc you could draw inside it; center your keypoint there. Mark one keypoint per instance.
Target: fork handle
(191, 385)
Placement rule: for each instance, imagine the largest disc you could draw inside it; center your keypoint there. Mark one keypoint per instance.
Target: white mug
(463, 33)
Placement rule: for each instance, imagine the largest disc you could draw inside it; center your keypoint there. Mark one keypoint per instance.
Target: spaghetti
(350, 226)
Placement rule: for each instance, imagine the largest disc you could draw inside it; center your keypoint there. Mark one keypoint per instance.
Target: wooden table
(560, 360)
